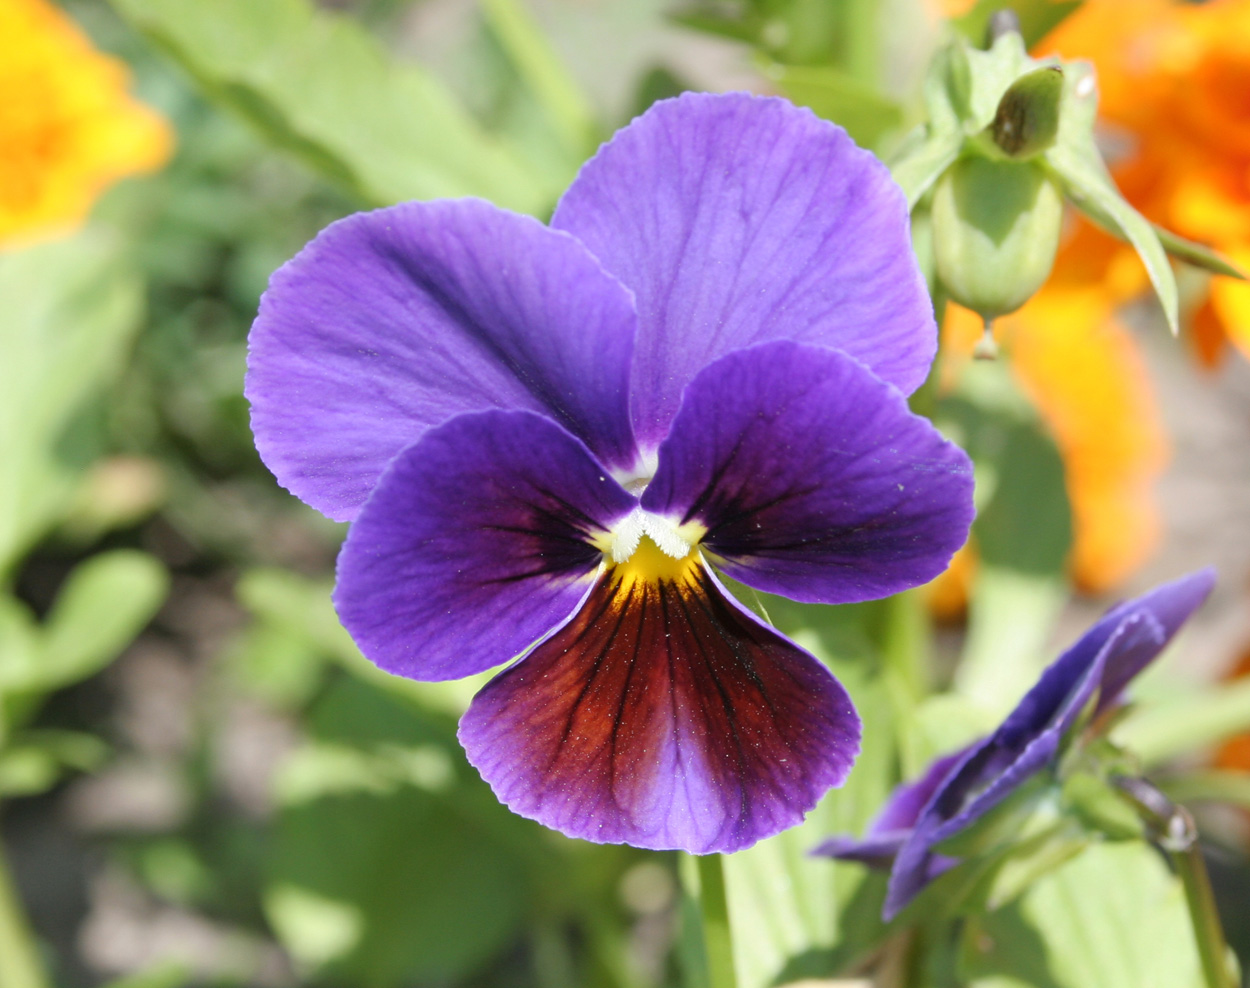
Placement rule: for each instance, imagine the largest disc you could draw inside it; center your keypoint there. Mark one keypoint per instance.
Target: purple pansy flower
(959, 789)
(543, 434)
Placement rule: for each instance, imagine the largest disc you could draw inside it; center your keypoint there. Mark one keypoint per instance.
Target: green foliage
(71, 311)
(320, 87)
(1113, 917)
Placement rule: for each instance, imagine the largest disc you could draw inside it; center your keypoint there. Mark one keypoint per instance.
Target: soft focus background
(202, 782)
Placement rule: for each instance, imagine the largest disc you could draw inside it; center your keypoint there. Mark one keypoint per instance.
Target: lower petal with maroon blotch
(663, 715)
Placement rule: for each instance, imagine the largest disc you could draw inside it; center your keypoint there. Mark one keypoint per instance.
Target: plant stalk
(20, 965)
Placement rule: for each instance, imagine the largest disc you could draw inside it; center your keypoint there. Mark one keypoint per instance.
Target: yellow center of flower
(651, 564)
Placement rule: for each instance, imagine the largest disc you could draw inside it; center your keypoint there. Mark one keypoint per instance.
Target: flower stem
(1207, 930)
(717, 937)
(20, 966)
(707, 943)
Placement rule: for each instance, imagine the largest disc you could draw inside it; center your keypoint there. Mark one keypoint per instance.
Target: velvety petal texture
(475, 544)
(663, 715)
(1093, 670)
(738, 219)
(812, 477)
(393, 321)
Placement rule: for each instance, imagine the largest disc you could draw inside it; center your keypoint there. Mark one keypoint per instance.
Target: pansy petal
(393, 321)
(1170, 606)
(474, 544)
(663, 715)
(893, 825)
(1026, 742)
(737, 219)
(812, 477)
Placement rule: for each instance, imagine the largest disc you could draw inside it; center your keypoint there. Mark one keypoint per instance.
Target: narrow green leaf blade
(1199, 255)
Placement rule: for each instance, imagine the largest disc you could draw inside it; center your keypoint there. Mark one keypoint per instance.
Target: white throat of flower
(628, 533)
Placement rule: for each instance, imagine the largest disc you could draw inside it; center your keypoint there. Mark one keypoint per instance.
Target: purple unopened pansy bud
(958, 790)
(545, 435)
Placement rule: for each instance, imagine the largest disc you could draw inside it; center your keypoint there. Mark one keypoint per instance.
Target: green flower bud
(996, 228)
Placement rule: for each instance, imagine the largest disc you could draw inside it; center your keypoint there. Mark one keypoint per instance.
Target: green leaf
(1199, 255)
(1113, 917)
(37, 760)
(544, 74)
(863, 110)
(1037, 17)
(166, 975)
(104, 604)
(319, 86)
(1078, 166)
(71, 310)
(1211, 785)
(294, 608)
(1184, 722)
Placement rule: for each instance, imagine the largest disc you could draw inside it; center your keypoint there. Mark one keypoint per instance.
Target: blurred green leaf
(866, 113)
(1023, 531)
(71, 310)
(105, 603)
(544, 74)
(1037, 17)
(319, 86)
(1210, 785)
(36, 760)
(393, 862)
(1185, 721)
(167, 975)
(1113, 917)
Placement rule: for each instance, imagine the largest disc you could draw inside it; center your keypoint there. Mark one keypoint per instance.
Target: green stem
(1207, 930)
(707, 943)
(20, 966)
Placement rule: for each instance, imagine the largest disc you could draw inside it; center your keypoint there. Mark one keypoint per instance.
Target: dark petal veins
(737, 219)
(665, 716)
(474, 544)
(393, 321)
(812, 476)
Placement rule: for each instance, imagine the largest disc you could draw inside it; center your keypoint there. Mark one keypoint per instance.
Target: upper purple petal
(474, 544)
(663, 715)
(737, 219)
(812, 476)
(393, 321)
(1099, 664)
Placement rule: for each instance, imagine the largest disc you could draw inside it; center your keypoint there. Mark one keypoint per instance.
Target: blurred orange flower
(68, 128)
(1174, 80)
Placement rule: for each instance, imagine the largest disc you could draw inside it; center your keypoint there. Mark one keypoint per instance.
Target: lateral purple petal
(812, 476)
(393, 321)
(474, 544)
(893, 825)
(663, 715)
(737, 219)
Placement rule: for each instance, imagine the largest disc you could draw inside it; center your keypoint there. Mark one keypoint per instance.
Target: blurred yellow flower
(68, 128)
